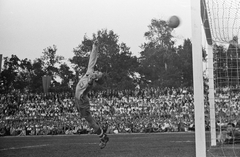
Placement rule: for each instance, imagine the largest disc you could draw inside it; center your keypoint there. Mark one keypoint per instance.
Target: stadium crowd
(129, 111)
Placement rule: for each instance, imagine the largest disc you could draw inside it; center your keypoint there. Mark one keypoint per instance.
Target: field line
(25, 147)
(183, 141)
(225, 147)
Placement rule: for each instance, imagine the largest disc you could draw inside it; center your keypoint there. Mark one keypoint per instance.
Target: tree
(221, 65)
(21, 75)
(156, 62)
(9, 73)
(232, 59)
(115, 59)
(36, 76)
(50, 59)
(185, 63)
(159, 33)
(23, 78)
(65, 74)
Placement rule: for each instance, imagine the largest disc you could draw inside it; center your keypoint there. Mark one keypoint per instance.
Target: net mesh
(221, 22)
(224, 19)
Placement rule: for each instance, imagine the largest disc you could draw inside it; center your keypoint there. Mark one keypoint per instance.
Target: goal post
(200, 139)
(211, 98)
(221, 24)
(206, 26)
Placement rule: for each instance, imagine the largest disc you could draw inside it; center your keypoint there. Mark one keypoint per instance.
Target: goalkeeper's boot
(103, 141)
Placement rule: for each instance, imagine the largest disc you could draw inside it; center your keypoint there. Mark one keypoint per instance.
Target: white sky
(29, 26)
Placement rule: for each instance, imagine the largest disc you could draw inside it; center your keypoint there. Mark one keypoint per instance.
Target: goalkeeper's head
(101, 78)
(97, 77)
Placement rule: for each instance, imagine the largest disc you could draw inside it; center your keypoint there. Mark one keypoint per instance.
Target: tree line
(161, 63)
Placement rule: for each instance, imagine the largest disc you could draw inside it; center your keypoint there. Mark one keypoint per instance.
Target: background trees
(50, 59)
(9, 73)
(161, 63)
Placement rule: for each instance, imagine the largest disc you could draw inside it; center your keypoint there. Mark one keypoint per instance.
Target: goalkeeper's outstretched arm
(93, 57)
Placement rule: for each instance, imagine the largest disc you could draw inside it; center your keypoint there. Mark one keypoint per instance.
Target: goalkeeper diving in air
(85, 84)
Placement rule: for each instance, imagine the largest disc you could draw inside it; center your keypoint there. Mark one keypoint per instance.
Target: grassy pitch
(120, 145)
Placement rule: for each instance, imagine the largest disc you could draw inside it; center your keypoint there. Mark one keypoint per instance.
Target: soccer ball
(173, 21)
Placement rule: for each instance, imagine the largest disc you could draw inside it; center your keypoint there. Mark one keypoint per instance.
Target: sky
(29, 26)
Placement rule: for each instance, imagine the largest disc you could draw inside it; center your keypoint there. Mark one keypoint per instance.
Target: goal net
(221, 23)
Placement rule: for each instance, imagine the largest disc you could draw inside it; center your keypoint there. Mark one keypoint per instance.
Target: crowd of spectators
(128, 111)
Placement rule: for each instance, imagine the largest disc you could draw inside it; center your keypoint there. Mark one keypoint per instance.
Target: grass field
(120, 145)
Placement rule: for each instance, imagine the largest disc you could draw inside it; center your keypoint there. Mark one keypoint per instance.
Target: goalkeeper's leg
(85, 113)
